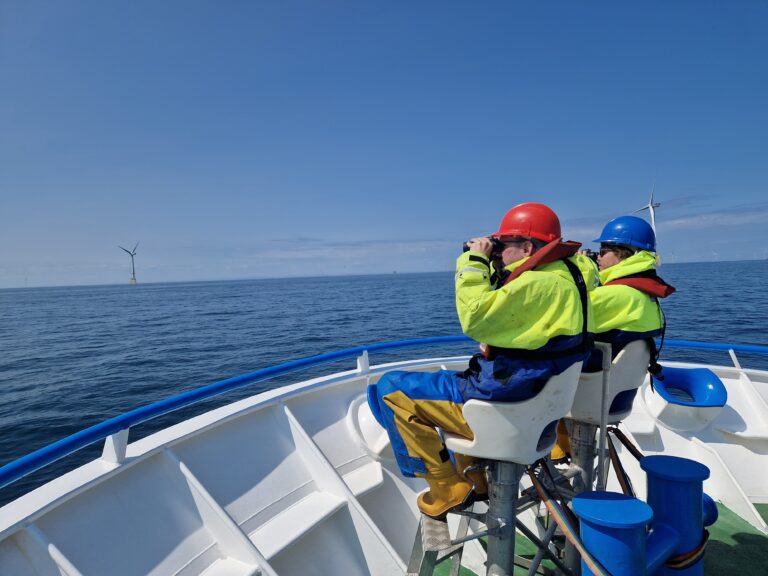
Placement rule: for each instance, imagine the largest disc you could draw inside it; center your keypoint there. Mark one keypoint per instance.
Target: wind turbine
(131, 253)
(651, 207)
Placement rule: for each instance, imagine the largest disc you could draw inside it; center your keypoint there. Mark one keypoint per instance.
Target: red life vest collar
(555, 250)
(647, 283)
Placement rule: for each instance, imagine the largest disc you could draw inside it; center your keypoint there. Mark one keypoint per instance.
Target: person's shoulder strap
(578, 279)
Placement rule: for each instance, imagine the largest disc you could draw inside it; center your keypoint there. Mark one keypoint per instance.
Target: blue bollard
(613, 530)
(710, 510)
(675, 493)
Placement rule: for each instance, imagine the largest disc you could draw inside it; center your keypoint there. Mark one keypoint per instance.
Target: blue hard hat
(629, 231)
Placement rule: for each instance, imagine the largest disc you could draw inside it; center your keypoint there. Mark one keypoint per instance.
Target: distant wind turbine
(131, 253)
(651, 207)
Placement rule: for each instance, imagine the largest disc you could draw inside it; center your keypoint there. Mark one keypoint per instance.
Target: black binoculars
(497, 246)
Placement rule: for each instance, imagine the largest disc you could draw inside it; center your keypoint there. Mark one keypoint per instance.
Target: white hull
(300, 480)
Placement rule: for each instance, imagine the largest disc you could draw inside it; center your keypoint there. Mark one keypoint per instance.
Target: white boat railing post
(115, 447)
(363, 364)
(735, 360)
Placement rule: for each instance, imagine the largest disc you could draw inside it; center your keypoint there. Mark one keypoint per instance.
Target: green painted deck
(735, 548)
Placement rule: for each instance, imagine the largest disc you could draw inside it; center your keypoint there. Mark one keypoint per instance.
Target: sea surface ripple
(75, 356)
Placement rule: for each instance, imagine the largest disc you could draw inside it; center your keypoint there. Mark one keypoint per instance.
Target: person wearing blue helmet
(626, 304)
(629, 231)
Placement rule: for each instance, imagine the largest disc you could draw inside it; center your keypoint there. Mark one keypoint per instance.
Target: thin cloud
(684, 201)
(299, 239)
(350, 249)
(737, 216)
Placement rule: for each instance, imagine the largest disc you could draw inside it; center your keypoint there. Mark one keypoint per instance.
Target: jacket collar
(641, 261)
(555, 250)
(639, 272)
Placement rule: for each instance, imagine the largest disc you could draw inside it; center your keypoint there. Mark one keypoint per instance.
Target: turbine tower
(131, 253)
(651, 207)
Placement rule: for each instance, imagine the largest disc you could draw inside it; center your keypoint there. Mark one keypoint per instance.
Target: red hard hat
(531, 220)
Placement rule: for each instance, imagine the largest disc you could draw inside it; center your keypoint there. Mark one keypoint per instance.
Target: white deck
(291, 482)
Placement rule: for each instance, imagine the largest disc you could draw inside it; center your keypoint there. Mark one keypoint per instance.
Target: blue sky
(286, 138)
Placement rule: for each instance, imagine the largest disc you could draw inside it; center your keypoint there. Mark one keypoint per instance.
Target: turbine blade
(125, 249)
(134, 248)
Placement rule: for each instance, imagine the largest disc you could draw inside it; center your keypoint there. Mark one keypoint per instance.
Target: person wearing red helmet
(532, 317)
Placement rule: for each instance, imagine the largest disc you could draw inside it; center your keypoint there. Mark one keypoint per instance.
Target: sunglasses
(516, 241)
(605, 249)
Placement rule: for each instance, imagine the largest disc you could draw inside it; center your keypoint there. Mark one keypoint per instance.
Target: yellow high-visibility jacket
(622, 313)
(534, 325)
(527, 313)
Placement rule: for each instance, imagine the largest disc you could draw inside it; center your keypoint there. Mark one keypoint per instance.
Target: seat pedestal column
(583, 452)
(503, 487)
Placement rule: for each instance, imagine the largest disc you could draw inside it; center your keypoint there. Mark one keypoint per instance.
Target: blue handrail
(39, 458)
(47, 455)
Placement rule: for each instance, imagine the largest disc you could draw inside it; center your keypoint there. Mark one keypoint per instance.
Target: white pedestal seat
(512, 435)
(628, 372)
(520, 432)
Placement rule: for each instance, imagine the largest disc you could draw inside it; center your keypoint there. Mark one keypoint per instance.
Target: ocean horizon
(298, 276)
(74, 356)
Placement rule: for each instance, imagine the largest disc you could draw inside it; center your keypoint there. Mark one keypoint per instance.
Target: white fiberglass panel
(760, 381)
(392, 506)
(387, 497)
(16, 561)
(322, 413)
(249, 465)
(142, 521)
(333, 548)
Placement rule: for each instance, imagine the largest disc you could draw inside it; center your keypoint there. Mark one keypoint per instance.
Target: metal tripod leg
(433, 542)
(543, 548)
(431, 545)
(461, 533)
(422, 562)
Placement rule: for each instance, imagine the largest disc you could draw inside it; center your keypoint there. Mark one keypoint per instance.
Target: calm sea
(73, 357)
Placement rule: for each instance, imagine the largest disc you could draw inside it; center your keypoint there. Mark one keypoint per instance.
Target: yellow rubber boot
(476, 477)
(443, 495)
(562, 448)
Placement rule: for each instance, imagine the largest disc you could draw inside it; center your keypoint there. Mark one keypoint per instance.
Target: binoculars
(497, 249)
(591, 254)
